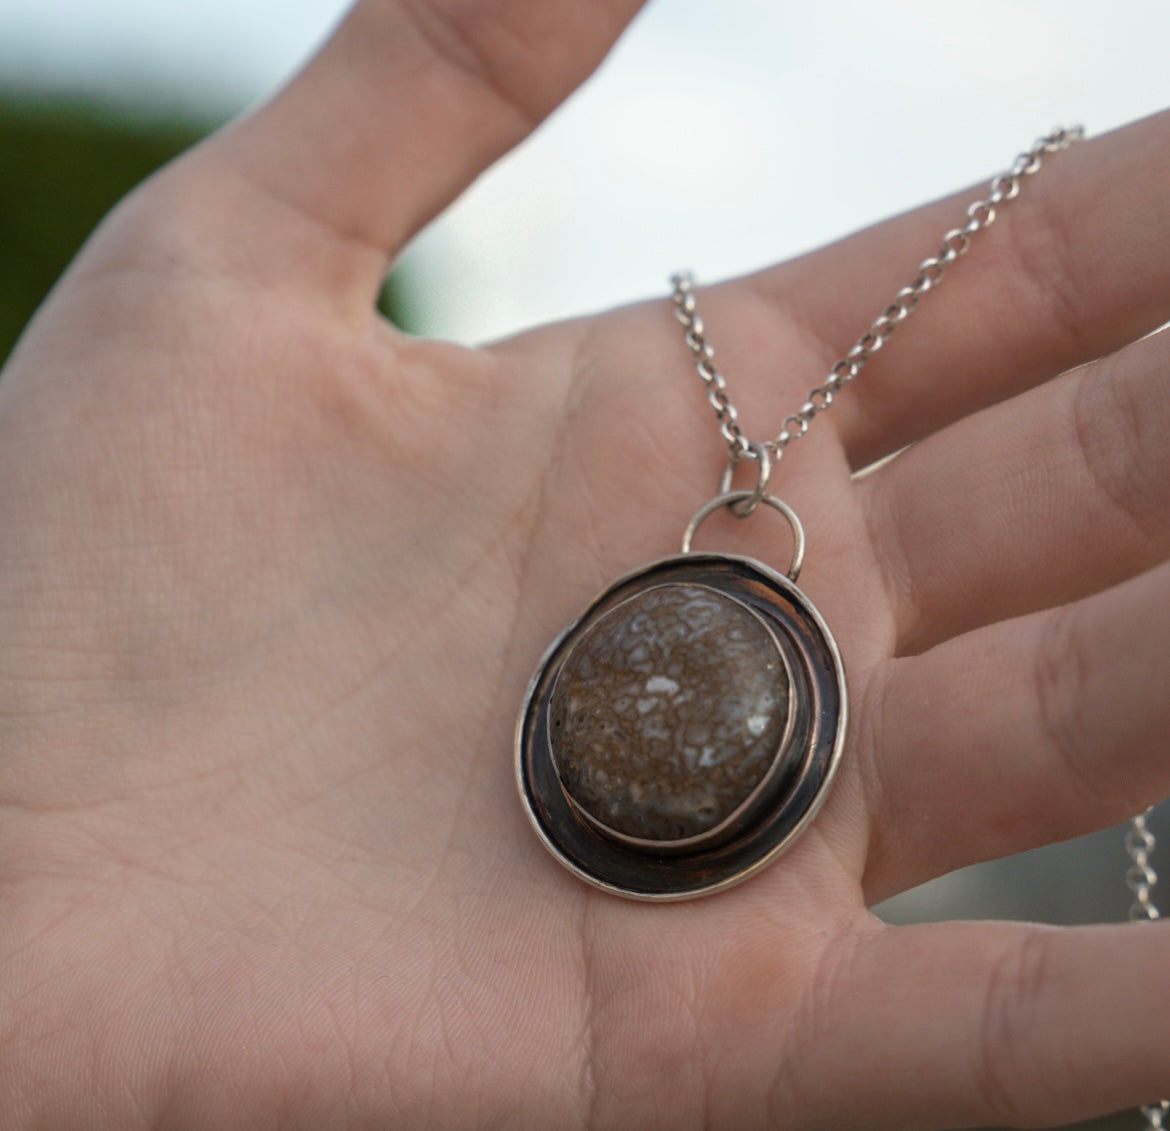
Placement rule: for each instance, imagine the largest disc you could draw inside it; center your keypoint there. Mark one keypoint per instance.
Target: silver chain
(980, 215)
(1141, 879)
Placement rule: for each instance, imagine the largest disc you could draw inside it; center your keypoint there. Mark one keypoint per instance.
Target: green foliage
(63, 165)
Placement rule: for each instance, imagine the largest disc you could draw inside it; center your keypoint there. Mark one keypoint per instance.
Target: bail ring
(762, 457)
(730, 499)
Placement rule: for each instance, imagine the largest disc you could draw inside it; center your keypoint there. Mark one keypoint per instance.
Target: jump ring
(729, 499)
(763, 460)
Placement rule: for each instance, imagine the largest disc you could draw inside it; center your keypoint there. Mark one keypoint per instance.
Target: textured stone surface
(667, 712)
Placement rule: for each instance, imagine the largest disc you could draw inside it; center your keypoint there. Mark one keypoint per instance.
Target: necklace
(682, 732)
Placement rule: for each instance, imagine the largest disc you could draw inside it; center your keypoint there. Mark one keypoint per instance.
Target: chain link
(1141, 879)
(980, 214)
(1158, 1116)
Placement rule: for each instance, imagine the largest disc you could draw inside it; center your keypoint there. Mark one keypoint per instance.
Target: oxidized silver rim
(818, 710)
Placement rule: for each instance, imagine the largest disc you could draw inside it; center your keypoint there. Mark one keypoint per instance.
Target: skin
(273, 577)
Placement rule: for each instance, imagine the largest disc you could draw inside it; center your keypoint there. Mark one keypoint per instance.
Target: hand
(273, 577)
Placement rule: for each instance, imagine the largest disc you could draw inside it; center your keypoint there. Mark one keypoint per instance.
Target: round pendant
(681, 733)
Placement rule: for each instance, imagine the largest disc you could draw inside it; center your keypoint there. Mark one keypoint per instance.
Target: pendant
(683, 731)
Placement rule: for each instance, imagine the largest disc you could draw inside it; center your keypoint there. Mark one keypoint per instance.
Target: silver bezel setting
(817, 718)
(744, 812)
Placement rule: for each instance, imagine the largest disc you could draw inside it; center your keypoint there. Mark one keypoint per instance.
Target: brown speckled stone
(667, 712)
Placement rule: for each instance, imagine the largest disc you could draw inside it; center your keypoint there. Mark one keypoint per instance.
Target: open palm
(274, 575)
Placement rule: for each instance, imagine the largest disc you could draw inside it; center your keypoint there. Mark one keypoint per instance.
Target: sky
(718, 137)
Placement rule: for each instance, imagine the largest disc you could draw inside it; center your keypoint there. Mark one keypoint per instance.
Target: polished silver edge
(797, 829)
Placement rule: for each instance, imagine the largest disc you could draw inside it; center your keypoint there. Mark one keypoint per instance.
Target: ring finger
(1055, 494)
(1019, 734)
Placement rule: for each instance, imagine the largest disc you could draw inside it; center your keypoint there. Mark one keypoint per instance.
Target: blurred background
(719, 137)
